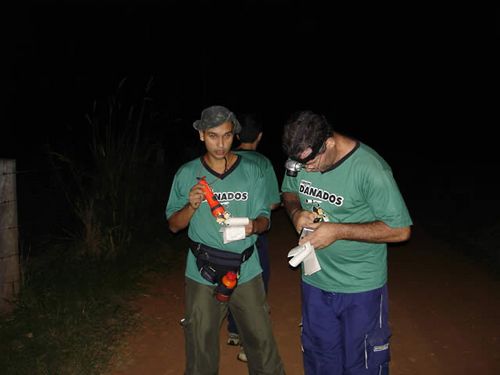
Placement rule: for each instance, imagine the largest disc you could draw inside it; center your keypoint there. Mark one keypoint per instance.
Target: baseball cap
(214, 116)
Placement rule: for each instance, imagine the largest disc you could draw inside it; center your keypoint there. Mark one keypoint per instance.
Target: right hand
(196, 196)
(302, 219)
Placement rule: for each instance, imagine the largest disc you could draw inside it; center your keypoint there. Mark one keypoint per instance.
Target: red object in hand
(216, 208)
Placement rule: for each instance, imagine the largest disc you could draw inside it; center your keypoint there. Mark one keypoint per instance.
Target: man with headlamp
(345, 304)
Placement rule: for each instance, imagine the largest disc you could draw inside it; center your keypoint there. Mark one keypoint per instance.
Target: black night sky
(403, 79)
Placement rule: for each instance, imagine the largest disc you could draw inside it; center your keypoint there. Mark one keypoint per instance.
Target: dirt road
(445, 314)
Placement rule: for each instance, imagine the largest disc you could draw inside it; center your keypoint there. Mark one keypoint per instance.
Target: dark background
(413, 81)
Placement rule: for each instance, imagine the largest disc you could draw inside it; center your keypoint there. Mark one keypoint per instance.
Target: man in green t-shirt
(234, 182)
(250, 136)
(345, 193)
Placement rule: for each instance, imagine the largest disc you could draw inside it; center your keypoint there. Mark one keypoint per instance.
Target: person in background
(250, 137)
(236, 189)
(345, 192)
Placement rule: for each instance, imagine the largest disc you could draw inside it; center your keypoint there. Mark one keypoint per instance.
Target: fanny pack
(214, 263)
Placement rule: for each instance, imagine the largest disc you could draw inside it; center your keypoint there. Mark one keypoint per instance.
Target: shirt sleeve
(384, 197)
(272, 184)
(178, 196)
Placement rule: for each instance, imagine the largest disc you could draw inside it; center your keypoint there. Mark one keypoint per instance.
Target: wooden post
(9, 250)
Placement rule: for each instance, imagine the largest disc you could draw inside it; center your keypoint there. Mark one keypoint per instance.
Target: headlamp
(294, 165)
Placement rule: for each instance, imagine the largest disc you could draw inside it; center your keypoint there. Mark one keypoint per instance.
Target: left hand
(324, 234)
(250, 228)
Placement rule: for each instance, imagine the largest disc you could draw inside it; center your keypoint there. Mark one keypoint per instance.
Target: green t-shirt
(241, 194)
(270, 181)
(360, 188)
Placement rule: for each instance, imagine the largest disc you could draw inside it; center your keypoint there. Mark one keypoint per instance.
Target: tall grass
(112, 191)
(73, 307)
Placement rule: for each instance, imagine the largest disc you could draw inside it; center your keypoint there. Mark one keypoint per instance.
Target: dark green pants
(203, 321)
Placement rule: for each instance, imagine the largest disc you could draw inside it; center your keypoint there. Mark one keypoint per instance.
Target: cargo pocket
(377, 348)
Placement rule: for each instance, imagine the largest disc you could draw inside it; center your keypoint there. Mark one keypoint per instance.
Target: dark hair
(251, 126)
(305, 129)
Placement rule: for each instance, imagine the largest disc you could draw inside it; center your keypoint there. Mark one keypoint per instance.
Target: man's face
(218, 140)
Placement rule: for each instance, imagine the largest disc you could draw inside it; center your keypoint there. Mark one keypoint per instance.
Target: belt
(218, 256)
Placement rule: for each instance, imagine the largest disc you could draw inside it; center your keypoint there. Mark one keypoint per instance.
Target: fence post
(9, 250)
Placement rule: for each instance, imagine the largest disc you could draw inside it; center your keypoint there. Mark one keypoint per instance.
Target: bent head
(305, 139)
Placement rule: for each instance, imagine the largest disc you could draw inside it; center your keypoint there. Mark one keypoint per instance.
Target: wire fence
(41, 207)
(32, 211)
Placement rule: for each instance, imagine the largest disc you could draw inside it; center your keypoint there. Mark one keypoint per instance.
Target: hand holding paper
(234, 229)
(304, 253)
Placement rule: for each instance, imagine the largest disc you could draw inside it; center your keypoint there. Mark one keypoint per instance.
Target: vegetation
(106, 191)
(73, 307)
(72, 312)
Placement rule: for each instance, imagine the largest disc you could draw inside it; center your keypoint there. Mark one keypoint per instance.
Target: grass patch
(72, 312)
(74, 304)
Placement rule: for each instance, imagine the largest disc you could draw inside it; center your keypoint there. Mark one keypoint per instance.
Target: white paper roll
(299, 253)
(237, 221)
(305, 253)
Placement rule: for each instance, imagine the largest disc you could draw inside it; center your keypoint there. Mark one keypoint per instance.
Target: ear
(259, 137)
(330, 142)
(202, 135)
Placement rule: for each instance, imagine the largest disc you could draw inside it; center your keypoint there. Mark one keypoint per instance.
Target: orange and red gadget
(216, 208)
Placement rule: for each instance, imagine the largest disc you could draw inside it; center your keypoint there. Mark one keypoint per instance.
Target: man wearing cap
(345, 193)
(235, 183)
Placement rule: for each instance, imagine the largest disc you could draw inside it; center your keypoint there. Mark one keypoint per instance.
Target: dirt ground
(444, 313)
